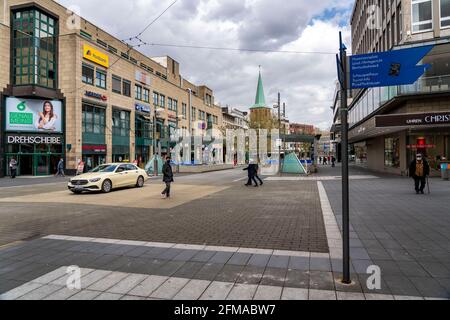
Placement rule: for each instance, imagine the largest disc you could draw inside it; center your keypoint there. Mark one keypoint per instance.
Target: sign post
(379, 69)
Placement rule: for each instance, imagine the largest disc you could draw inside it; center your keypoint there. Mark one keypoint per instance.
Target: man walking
(419, 170)
(167, 178)
(60, 168)
(13, 168)
(251, 174)
(256, 174)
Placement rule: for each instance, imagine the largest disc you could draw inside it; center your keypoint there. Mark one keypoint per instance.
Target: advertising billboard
(29, 115)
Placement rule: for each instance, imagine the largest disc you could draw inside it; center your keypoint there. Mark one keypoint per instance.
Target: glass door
(25, 165)
(41, 165)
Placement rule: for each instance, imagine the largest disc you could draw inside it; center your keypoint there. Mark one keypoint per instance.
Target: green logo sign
(20, 118)
(21, 106)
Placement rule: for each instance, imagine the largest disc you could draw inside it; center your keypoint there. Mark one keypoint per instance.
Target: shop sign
(95, 56)
(95, 95)
(33, 115)
(420, 119)
(143, 78)
(95, 149)
(24, 139)
(142, 108)
(420, 146)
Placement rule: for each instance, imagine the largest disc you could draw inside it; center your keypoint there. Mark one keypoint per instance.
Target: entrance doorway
(25, 165)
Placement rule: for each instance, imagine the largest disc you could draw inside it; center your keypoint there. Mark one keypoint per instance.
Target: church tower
(260, 114)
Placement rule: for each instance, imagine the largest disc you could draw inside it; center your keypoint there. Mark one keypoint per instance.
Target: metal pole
(155, 161)
(345, 179)
(279, 132)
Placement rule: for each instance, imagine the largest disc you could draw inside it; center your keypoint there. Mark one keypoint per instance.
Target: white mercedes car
(110, 176)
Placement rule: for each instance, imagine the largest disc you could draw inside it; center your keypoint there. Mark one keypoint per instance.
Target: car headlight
(95, 180)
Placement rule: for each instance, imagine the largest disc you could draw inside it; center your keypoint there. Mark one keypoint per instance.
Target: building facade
(389, 125)
(71, 90)
(235, 119)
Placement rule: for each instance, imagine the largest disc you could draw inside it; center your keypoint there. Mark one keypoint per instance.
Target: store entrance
(25, 165)
(92, 161)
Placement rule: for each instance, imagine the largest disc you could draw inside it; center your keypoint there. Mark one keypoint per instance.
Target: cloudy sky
(306, 81)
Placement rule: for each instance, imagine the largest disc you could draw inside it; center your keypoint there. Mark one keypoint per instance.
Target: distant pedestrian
(167, 178)
(333, 161)
(419, 170)
(251, 174)
(13, 168)
(320, 160)
(324, 160)
(60, 168)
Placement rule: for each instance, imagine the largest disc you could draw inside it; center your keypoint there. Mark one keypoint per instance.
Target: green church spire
(260, 100)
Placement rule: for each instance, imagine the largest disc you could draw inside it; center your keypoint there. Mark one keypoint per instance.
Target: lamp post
(155, 160)
(278, 106)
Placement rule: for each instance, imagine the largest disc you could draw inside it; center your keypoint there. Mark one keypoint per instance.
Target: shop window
(87, 74)
(184, 110)
(121, 123)
(93, 120)
(169, 103)
(175, 105)
(392, 152)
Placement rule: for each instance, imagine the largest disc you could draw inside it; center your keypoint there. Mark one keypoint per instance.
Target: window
(155, 99)
(184, 110)
(208, 100)
(162, 101)
(146, 95)
(138, 92)
(392, 152)
(85, 34)
(87, 74)
(193, 114)
(422, 15)
(445, 13)
(102, 43)
(126, 86)
(34, 48)
(100, 79)
(121, 123)
(133, 60)
(399, 23)
(169, 103)
(112, 49)
(116, 84)
(124, 55)
(175, 105)
(93, 119)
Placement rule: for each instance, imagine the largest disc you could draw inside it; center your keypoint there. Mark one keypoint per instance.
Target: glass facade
(34, 37)
(93, 124)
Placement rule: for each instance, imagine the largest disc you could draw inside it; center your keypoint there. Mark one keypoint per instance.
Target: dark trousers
(420, 183)
(13, 173)
(259, 179)
(250, 179)
(167, 189)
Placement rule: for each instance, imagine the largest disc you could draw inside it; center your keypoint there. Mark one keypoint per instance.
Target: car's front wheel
(106, 186)
(140, 182)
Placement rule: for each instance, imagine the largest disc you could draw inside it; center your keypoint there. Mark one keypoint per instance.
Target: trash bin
(445, 170)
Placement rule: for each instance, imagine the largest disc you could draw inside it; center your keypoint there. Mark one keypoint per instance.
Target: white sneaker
(163, 196)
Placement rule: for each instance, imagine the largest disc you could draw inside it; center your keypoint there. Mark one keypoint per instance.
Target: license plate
(78, 188)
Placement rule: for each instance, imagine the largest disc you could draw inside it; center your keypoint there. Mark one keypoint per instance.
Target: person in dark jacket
(419, 170)
(13, 168)
(256, 174)
(251, 174)
(167, 177)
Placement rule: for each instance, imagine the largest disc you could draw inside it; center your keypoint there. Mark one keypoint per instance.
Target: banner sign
(96, 56)
(420, 119)
(142, 108)
(33, 115)
(142, 77)
(390, 68)
(31, 139)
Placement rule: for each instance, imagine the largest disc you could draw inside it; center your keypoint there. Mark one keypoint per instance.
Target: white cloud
(306, 82)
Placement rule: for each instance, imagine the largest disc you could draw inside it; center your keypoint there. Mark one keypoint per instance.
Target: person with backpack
(167, 178)
(419, 170)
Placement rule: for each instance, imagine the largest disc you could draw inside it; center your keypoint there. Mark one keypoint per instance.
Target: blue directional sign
(391, 68)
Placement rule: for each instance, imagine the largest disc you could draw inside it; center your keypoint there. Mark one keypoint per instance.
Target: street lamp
(278, 106)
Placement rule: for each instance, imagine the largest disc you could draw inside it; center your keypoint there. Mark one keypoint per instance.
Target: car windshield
(104, 168)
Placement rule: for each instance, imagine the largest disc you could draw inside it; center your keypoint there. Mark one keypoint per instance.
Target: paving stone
(221, 257)
(62, 294)
(92, 277)
(428, 287)
(349, 296)
(20, 291)
(108, 281)
(169, 268)
(203, 256)
(127, 284)
(402, 286)
(242, 292)
(294, 294)
(436, 269)
(185, 255)
(321, 295)
(274, 277)
(229, 273)
(41, 292)
(209, 271)
(188, 270)
(217, 291)
(299, 263)
(297, 279)
(108, 296)
(268, 293)
(240, 259)
(259, 260)
(251, 275)
(396, 297)
(320, 280)
(170, 288)
(148, 286)
(278, 262)
(192, 290)
(320, 264)
(372, 296)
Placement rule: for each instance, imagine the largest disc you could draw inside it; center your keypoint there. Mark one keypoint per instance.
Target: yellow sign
(95, 56)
